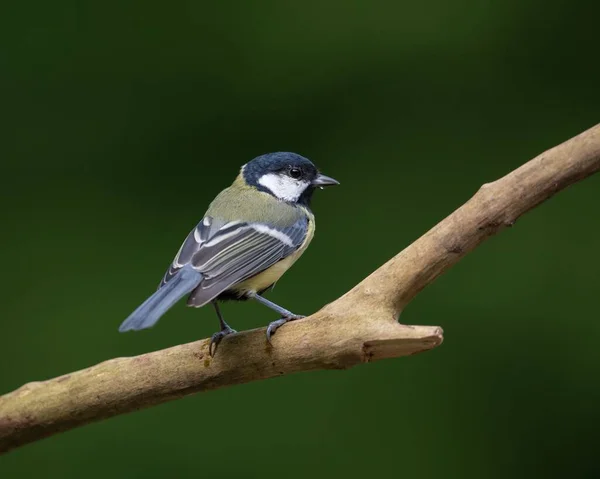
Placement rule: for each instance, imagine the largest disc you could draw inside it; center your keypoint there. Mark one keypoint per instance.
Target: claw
(217, 338)
(275, 325)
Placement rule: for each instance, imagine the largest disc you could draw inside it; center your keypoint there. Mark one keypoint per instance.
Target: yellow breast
(271, 275)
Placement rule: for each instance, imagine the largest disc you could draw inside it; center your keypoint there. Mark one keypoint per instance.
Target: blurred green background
(122, 120)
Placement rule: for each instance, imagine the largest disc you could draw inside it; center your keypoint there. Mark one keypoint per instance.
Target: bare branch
(359, 327)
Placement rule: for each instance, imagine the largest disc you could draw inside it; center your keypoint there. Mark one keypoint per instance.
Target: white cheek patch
(283, 187)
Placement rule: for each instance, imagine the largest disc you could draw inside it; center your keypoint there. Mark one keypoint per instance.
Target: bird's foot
(275, 325)
(216, 339)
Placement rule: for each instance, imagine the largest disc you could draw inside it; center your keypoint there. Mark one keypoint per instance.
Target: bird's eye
(295, 173)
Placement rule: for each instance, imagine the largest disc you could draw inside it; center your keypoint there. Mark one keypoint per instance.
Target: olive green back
(243, 201)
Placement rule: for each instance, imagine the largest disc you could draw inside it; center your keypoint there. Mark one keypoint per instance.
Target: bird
(251, 234)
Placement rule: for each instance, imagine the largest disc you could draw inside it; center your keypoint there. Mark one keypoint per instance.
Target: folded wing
(227, 253)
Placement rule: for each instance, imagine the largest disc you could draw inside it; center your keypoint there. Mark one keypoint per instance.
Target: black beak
(322, 180)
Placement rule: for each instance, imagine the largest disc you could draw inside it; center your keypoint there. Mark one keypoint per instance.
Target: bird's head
(286, 176)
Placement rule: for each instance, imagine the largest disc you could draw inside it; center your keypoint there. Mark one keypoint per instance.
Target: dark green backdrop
(121, 121)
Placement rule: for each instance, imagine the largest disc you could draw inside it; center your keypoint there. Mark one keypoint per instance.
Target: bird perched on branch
(251, 234)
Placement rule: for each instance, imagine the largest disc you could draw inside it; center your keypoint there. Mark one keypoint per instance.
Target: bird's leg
(274, 325)
(217, 337)
(275, 307)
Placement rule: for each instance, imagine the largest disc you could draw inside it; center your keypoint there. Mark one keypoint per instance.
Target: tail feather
(150, 311)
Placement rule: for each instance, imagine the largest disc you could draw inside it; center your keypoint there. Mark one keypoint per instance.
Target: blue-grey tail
(150, 311)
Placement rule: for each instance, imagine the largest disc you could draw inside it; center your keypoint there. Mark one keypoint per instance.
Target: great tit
(250, 235)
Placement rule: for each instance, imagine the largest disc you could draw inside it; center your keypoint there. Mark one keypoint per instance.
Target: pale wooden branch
(359, 327)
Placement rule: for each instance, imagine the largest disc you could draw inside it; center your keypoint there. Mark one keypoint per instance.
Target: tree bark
(359, 327)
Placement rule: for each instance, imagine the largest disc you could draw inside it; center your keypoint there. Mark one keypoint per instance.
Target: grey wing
(198, 236)
(229, 253)
(231, 257)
